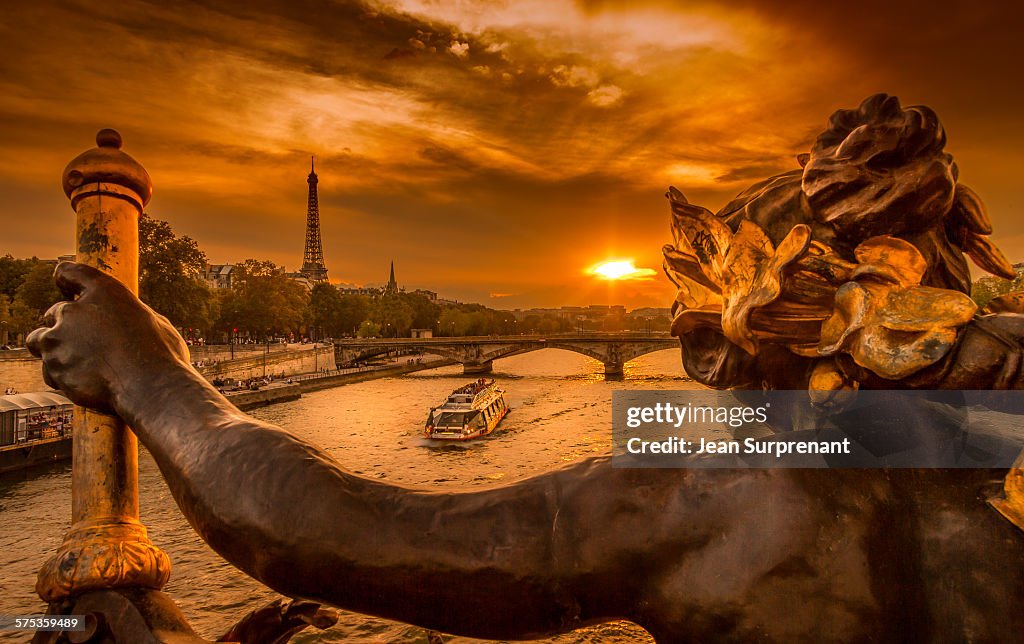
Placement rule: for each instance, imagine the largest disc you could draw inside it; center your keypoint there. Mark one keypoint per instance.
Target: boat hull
(459, 436)
(17, 457)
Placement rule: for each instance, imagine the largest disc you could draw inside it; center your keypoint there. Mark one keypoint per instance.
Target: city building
(592, 312)
(302, 279)
(368, 291)
(218, 275)
(430, 295)
(650, 312)
(391, 288)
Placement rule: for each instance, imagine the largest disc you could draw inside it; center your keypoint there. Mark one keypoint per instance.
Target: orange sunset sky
(494, 149)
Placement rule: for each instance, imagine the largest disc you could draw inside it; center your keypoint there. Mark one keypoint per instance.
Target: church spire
(392, 287)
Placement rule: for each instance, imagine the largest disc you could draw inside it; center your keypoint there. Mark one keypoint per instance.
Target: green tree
(986, 288)
(326, 311)
(478, 322)
(228, 313)
(5, 320)
(549, 324)
(335, 315)
(463, 320)
(253, 269)
(451, 322)
(12, 274)
(170, 276)
(654, 324)
(501, 322)
(21, 320)
(37, 291)
(353, 311)
(530, 323)
(264, 302)
(473, 319)
(393, 315)
(424, 312)
(368, 329)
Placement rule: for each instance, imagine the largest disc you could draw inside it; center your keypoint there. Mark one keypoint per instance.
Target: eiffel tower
(313, 259)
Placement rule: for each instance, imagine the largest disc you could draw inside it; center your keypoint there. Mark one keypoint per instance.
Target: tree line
(262, 302)
(988, 287)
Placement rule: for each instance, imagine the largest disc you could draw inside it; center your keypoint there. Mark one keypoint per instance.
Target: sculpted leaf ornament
(743, 269)
(886, 320)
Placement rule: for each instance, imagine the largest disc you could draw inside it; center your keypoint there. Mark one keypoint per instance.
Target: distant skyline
(496, 150)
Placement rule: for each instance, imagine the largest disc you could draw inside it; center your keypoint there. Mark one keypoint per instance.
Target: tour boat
(470, 412)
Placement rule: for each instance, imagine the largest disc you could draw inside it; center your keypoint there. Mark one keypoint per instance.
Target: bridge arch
(478, 354)
(349, 355)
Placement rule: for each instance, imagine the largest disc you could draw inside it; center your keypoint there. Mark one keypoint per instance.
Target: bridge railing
(342, 342)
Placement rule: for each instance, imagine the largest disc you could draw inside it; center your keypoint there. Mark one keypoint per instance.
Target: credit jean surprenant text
(677, 445)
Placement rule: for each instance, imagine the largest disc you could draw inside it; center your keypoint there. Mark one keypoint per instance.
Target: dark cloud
(488, 148)
(753, 172)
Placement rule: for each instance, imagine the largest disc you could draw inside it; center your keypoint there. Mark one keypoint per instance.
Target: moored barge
(35, 428)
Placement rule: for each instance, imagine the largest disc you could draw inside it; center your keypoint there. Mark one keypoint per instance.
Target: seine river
(561, 411)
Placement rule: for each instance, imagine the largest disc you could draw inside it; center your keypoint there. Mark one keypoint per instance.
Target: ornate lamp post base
(130, 615)
(98, 555)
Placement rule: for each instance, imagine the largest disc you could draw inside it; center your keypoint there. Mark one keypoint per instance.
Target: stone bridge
(478, 353)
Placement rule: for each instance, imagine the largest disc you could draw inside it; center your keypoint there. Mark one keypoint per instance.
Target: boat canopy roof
(33, 400)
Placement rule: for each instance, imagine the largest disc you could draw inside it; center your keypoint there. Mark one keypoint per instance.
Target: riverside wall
(252, 399)
(276, 393)
(327, 381)
(221, 352)
(289, 362)
(23, 372)
(20, 370)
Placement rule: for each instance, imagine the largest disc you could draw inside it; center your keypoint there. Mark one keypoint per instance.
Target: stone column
(476, 368)
(613, 368)
(107, 546)
(613, 362)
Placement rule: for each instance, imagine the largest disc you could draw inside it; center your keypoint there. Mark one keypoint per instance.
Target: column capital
(107, 164)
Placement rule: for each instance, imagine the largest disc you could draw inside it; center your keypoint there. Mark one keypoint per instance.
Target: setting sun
(622, 269)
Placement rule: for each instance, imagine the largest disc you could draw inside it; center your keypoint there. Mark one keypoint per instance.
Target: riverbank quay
(316, 382)
(294, 387)
(22, 372)
(268, 395)
(258, 362)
